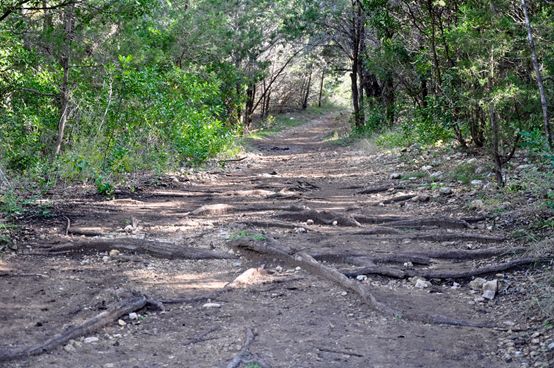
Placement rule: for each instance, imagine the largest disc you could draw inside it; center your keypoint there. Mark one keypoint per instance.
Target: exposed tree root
(268, 224)
(304, 260)
(11, 274)
(366, 219)
(380, 189)
(448, 274)
(102, 319)
(352, 257)
(152, 248)
(435, 237)
(455, 254)
(441, 222)
(444, 236)
(89, 231)
(320, 217)
(401, 198)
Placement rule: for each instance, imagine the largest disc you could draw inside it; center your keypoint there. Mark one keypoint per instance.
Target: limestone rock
(477, 284)
(489, 289)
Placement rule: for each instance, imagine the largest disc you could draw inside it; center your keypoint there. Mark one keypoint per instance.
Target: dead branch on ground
(92, 324)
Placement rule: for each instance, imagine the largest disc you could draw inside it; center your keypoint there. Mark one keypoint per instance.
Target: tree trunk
(307, 92)
(356, 32)
(69, 26)
(249, 105)
(544, 102)
(496, 147)
(321, 87)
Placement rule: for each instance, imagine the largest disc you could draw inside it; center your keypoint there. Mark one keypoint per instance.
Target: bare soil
(62, 275)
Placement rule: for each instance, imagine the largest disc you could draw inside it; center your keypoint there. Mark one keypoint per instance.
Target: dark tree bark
(544, 102)
(321, 83)
(69, 27)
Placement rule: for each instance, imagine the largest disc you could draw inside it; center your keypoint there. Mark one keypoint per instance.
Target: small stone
(133, 316)
(455, 285)
(211, 305)
(479, 299)
(477, 204)
(408, 265)
(489, 289)
(477, 182)
(129, 229)
(437, 175)
(279, 269)
(422, 284)
(298, 268)
(361, 277)
(309, 222)
(445, 190)
(427, 167)
(551, 346)
(395, 176)
(122, 323)
(471, 160)
(299, 230)
(344, 293)
(477, 284)
(105, 259)
(90, 339)
(335, 223)
(109, 365)
(69, 348)
(237, 264)
(114, 253)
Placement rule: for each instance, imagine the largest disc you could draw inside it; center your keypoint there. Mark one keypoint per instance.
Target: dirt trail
(299, 319)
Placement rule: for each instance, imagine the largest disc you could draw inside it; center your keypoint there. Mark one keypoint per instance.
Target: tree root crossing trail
(305, 253)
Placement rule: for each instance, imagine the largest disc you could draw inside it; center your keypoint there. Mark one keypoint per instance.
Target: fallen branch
(308, 263)
(152, 248)
(343, 352)
(95, 323)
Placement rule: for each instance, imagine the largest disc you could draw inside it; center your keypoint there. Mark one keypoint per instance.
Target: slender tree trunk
(321, 87)
(434, 43)
(249, 105)
(69, 25)
(307, 92)
(544, 102)
(496, 147)
(356, 28)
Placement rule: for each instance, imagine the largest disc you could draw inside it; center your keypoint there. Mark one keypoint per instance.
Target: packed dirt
(182, 240)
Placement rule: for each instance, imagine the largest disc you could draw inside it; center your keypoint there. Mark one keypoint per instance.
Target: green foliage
(243, 234)
(104, 186)
(464, 173)
(11, 204)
